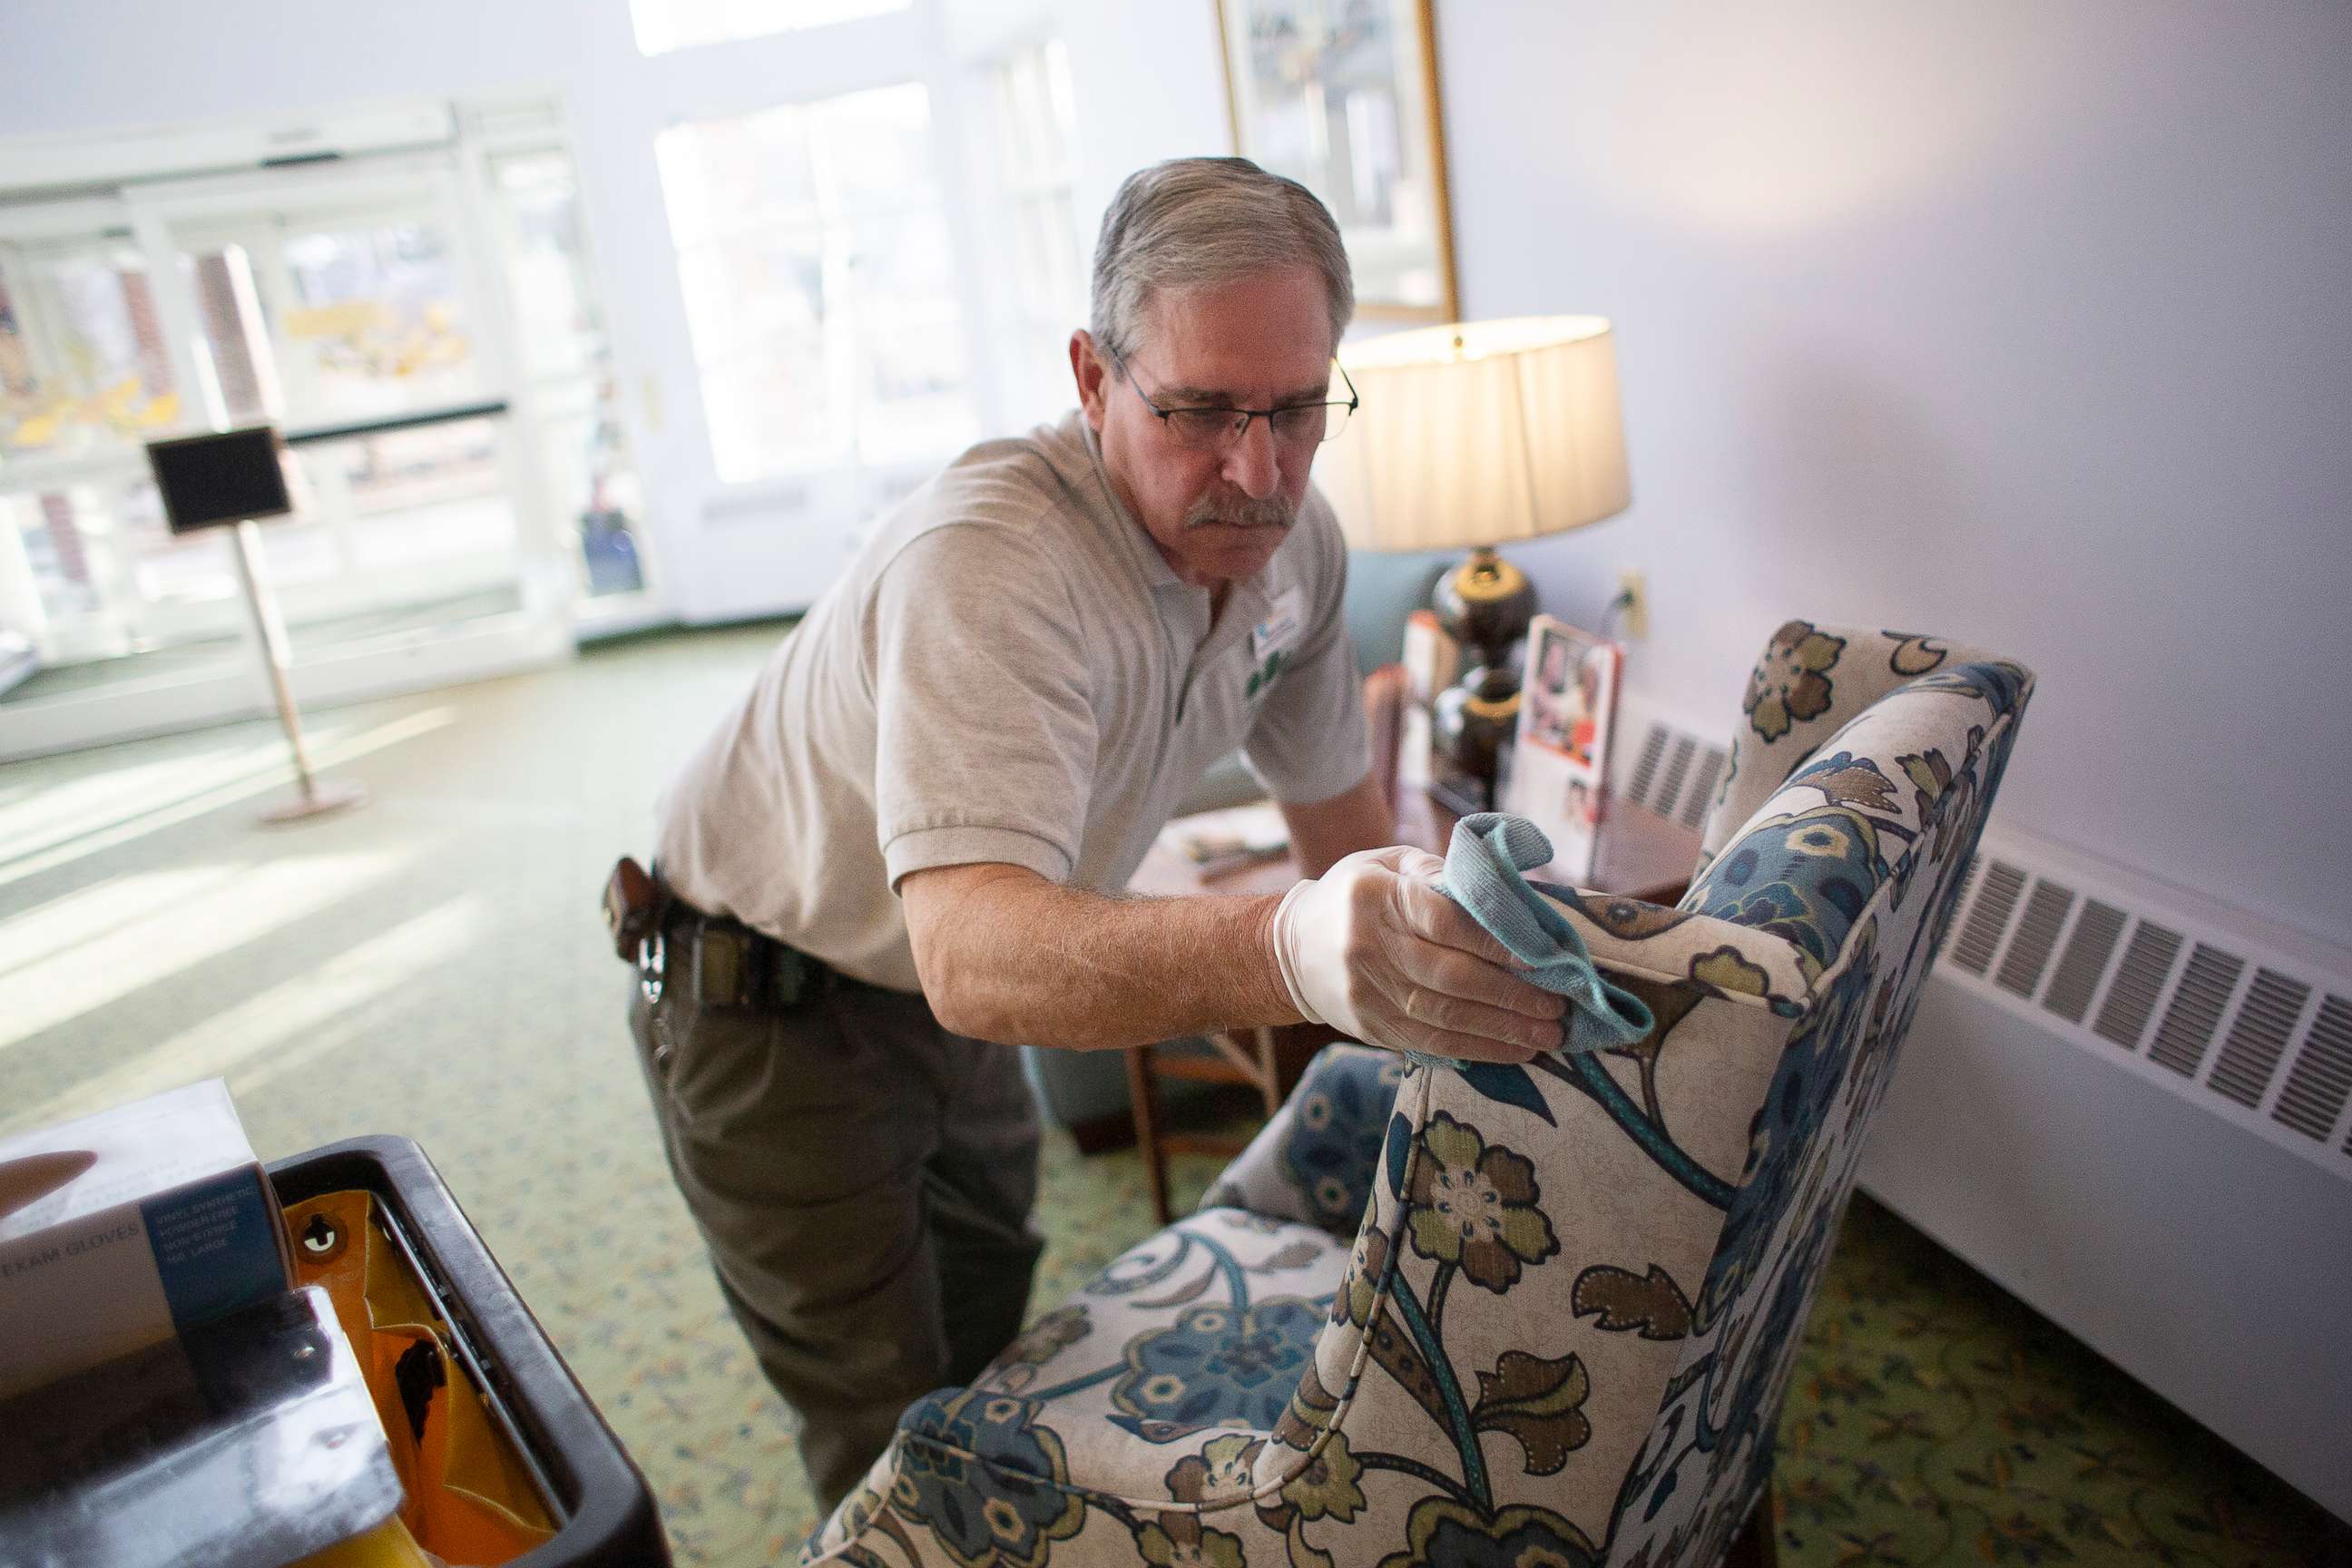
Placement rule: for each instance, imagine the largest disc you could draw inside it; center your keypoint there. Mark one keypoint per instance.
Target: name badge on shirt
(1272, 639)
(1280, 631)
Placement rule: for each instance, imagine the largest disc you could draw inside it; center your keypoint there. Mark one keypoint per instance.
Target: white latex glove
(1372, 949)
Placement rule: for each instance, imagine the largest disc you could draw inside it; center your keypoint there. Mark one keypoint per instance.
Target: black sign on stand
(220, 480)
(228, 478)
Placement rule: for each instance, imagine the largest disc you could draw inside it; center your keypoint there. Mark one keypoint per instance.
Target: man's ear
(1093, 379)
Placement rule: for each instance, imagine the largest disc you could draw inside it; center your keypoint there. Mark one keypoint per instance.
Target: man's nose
(1253, 466)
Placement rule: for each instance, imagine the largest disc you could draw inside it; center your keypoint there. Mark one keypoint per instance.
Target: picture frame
(1341, 96)
(1568, 713)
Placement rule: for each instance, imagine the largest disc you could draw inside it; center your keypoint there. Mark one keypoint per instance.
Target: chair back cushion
(1855, 861)
(1571, 1308)
(1809, 683)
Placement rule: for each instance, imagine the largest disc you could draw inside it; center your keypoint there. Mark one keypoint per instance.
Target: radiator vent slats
(2147, 961)
(2002, 883)
(2251, 1055)
(2092, 943)
(2037, 933)
(1646, 767)
(1969, 881)
(1677, 768)
(2322, 1074)
(1702, 787)
(2187, 1028)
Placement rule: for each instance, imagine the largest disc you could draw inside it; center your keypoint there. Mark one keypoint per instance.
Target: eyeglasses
(1218, 429)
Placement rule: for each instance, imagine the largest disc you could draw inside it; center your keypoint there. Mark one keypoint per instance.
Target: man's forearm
(1007, 955)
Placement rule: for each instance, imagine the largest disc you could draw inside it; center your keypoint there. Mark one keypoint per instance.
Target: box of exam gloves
(127, 1228)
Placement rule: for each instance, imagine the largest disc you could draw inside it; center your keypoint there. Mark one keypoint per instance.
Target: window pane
(1034, 127)
(820, 294)
(83, 366)
(376, 317)
(771, 410)
(725, 176)
(752, 287)
(876, 146)
(911, 381)
(561, 328)
(110, 579)
(1032, 225)
(666, 25)
(426, 494)
(590, 474)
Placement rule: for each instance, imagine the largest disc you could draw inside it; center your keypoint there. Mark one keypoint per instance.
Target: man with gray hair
(907, 847)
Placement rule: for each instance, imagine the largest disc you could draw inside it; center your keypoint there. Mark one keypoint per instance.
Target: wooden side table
(1642, 856)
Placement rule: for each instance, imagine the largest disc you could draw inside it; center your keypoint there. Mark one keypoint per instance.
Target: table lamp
(1469, 436)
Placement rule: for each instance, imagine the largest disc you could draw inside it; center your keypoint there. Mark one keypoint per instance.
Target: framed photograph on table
(1341, 96)
(1560, 767)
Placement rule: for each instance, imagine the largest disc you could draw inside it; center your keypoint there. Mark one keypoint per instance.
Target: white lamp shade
(1479, 433)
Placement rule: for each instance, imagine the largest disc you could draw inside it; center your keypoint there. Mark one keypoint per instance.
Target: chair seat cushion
(1208, 1326)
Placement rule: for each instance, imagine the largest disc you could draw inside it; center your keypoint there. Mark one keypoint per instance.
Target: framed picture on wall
(1341, 96)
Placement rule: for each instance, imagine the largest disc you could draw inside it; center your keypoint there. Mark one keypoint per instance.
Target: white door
(352, 308)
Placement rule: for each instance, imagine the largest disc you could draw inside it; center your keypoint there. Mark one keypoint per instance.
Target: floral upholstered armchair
(1488, 1315)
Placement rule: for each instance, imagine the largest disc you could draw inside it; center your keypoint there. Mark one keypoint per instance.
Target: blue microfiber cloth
(1483, 874)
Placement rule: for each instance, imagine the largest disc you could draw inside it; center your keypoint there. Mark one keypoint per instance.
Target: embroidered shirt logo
(1263, 675)
(1272, 639)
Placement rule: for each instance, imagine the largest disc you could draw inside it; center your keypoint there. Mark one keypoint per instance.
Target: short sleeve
(984, 720)
(1309, 741)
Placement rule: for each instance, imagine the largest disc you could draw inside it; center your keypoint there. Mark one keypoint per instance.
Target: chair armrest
(1314, 1161)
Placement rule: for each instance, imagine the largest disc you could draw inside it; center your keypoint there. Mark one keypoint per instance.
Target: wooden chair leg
(1269, 1072)
(1143, 1094)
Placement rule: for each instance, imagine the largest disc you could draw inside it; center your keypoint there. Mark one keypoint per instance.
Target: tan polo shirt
(1008, 671)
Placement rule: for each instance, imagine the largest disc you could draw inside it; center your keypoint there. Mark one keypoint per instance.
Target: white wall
(2024, 321)
(2029, 323)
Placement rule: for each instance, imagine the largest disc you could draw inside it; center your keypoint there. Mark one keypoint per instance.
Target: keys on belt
(723, 962)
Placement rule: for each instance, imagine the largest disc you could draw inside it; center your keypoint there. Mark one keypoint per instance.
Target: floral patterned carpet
(1934, 1418)
(433, 965)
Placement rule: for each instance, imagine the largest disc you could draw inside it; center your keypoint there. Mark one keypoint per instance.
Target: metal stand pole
(316, 799)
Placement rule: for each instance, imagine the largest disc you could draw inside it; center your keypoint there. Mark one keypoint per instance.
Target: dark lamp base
(1471, 723)
(1486, 603)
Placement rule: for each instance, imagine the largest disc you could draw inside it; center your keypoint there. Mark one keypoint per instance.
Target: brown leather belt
(718, 960)
(726, 963)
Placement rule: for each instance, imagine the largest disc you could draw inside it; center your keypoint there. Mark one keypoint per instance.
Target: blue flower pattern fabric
(1477, 1314)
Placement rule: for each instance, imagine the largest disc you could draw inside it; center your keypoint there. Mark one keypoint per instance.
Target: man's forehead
(1237, 391)
(1264, 335)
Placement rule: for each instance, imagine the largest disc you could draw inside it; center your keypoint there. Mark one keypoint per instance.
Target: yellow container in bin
(501, 1456)
(470, 1496)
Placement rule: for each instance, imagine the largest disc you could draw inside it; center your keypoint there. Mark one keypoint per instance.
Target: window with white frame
(663, 26)
(1035, 125)
(820, 286)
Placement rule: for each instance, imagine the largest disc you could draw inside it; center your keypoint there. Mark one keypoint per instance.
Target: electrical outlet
(1634, 618)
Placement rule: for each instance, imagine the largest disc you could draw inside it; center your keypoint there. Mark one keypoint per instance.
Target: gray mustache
(1275, 512)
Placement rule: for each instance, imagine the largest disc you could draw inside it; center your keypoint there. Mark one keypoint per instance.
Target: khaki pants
(864, 1179)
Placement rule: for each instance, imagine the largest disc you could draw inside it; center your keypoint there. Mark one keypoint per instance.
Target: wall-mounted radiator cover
(2246, 1021)
(2131, 1106)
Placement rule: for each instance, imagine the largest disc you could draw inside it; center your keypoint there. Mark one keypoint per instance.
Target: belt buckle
(652, 961)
